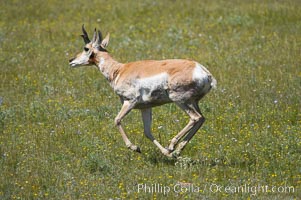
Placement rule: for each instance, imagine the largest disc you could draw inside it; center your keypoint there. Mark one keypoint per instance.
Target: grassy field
(57, 133)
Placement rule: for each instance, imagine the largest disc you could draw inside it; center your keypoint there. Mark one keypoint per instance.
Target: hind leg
(193, 125)
(193, 131)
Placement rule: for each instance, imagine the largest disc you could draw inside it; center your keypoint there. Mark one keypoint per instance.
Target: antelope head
(91, 48)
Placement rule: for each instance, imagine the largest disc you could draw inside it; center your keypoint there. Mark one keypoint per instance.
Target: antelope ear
(105, 41)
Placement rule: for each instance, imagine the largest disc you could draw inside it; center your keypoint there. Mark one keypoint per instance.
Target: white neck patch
(102, 68)
(102, 61)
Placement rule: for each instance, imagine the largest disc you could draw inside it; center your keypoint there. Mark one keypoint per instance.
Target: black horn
(85, 35)
(99, 36)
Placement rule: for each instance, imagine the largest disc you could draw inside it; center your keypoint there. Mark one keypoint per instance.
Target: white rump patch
(200, 73)
(203, 76)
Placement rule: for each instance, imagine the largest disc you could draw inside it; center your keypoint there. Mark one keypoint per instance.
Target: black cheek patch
(91, 56)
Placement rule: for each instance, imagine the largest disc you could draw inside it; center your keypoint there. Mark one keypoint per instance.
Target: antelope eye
(86, 49)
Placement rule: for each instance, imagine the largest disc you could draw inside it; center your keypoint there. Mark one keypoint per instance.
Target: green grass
(57, 135)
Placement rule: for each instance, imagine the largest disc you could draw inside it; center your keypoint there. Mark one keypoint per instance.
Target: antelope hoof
(165, 152)
(170, 150)
(175, 154)
(134, 148)
(138, 149)
(171, 153)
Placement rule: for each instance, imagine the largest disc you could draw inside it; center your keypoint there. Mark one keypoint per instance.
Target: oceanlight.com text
(212, 188)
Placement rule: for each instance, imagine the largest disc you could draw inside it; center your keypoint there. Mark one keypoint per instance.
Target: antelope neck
(107, 65)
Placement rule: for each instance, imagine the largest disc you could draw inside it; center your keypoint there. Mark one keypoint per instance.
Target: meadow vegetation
(57, 134)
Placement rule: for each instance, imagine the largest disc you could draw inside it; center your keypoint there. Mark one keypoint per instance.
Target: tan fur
(179, 70)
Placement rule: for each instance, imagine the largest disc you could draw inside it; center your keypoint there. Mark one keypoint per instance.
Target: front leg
(126, 108)
(147, 121)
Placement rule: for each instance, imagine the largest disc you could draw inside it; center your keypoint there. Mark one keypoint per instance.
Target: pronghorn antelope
(148, 83)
